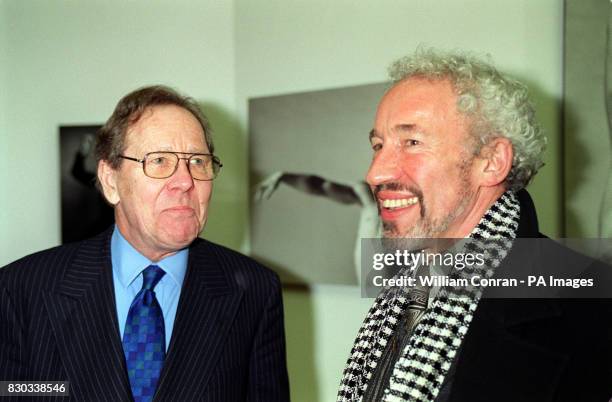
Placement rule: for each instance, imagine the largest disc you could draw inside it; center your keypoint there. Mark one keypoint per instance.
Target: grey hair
(497, 105)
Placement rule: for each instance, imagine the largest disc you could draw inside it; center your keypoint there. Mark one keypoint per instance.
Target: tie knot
(151, 276)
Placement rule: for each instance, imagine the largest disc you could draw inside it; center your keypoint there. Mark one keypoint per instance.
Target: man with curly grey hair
(455, 142)
(452, 123)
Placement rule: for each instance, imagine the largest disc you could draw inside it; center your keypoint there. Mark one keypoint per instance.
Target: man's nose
(385, 168)
(181, 178)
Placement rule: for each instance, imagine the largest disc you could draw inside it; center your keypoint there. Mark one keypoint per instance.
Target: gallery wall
(68, 62)
(7, 171)
(587, 150)
(5, 230)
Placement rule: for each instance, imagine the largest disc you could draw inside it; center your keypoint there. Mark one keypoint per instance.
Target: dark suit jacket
(58, 321)
(537, 349)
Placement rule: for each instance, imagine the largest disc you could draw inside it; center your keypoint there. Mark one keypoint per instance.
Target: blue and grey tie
(144, 341)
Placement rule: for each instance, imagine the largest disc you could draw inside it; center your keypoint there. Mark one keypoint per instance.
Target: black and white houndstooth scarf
(422, 366)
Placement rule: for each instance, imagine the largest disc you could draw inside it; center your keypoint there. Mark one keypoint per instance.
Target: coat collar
(209, 302)
(528, 221)
(498, 350)
(83, 316)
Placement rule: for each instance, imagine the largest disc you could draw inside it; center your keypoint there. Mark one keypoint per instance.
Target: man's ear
(108, 180)
(495, 161)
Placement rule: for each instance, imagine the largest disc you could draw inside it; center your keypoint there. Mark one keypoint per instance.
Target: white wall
(69, 62)
(5, 230)
(285, 46)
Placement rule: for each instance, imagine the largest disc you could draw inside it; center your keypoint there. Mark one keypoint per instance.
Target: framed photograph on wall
(309, 154)
(84, 212)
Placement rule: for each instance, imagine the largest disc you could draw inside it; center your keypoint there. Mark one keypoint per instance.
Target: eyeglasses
(160, 165)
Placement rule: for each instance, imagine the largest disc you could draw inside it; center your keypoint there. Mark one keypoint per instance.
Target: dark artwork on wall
(84, 211)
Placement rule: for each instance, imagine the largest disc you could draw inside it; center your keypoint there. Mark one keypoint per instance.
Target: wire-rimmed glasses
(163, 164)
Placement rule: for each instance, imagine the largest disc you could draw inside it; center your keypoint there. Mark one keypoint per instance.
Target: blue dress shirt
(128, 265)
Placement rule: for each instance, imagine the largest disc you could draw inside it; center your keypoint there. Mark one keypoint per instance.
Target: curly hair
(498, 106)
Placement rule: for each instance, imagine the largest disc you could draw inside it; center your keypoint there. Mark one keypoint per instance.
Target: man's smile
(393, 204)
(398, 202)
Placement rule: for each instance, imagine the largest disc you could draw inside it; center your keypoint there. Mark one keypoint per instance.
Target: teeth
(399, 203)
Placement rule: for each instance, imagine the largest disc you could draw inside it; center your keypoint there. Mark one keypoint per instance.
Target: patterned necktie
(144, 341)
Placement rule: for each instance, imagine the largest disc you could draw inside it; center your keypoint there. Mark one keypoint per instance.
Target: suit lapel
(209, 301)
(83, 316)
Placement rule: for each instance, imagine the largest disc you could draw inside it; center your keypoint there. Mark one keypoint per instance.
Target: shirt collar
(128, 263)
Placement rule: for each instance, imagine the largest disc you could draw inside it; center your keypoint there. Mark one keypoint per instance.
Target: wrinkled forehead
(417, 100)
(420, 93)
(166, 128)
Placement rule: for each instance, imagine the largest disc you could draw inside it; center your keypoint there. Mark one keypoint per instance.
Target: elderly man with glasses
(147, 310)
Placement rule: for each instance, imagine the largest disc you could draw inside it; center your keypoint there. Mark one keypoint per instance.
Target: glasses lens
(204, 167)
(160, 165)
